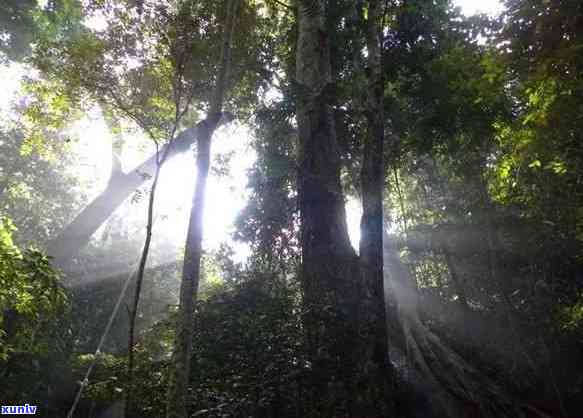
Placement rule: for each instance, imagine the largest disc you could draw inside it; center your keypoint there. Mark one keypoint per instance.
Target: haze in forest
(93, 164)
(291, 208)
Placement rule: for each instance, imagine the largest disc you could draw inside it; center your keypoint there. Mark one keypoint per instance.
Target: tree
(475, 124)
(78, 232)
(374, 361)
(329, 265)
(177, 399)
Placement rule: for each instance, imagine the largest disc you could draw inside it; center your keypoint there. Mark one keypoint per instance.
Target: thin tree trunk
(492, 250)
(177, 406)
(459, 288)
(116, 171)
(464, 314)
(374, 367)
(401, 200)
(329, 270)
(140, 278)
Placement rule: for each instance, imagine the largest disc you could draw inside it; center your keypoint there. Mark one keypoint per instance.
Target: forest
(291, 209)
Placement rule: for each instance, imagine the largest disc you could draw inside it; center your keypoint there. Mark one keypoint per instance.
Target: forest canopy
(291, 208)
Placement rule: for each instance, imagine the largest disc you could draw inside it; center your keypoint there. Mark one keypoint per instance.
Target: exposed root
(456, 384)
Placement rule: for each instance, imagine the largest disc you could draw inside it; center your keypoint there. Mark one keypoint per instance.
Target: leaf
(535, 164)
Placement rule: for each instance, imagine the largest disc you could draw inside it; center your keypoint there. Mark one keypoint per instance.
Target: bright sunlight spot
(225, 196)
(471, 7)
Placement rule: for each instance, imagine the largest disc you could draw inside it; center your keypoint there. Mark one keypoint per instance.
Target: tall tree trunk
(177, 406)
(329, 271)
(374, 368)
(78, 233)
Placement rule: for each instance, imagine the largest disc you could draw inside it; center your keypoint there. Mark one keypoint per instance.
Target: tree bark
(177, 399)
(374, 367)
(329, 271)
(177, 406)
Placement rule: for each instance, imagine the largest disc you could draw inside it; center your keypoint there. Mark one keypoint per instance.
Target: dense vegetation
(461, 137)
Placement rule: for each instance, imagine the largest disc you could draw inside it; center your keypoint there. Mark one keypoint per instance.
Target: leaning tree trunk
(78, 233)
(374, 370)
(177, 406)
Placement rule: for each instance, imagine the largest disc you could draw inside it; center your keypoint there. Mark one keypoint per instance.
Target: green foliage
(247, 357)
(31, 294)
(150, 66)
(541, 154)
(17, 23)
(571, 317)
(247, 349)
(484, 152)
(47, 113)
(487, 167)
(107, 379)
(36, 190)
(269, 221)
(33, 319)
